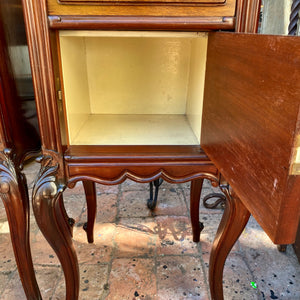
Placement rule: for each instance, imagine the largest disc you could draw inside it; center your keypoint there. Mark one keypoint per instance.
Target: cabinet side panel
(250, 112)
(39, 45)
(196, 84)
(75, 79)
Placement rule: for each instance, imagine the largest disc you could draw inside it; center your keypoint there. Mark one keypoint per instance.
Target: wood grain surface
(149, 9)
(250, 122)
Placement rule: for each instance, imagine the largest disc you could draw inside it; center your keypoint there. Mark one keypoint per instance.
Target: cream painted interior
(133, 88)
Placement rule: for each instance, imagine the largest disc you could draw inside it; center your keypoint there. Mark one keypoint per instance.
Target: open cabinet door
(251, 124)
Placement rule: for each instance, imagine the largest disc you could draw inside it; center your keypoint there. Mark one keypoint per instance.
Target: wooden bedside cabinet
(145, 89)
(19, 137)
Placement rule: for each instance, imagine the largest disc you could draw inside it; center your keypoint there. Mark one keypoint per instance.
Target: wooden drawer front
(153, 8)
(95, 2)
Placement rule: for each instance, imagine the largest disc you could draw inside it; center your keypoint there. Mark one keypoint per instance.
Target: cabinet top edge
(150, 34)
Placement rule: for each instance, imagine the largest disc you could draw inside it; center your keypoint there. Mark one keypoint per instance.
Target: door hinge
(59, 95)
(295, 167)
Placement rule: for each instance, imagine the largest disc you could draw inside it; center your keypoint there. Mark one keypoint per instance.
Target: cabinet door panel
(251, 124)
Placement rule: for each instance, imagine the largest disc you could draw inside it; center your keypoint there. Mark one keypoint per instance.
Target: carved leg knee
(14, 194)
(50, 215)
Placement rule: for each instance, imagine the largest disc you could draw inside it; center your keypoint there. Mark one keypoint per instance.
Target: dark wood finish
(114, 164)
(196, 187)
(19, 139)
(292, 30)
(50, 215)
(18, 133)
(95, 2)
(111, 164)
(91, 202)
(233, 222)
(250, 122)
(14, 194)
(247, 15)
(43, 75)
(142, 23)
(144, 9)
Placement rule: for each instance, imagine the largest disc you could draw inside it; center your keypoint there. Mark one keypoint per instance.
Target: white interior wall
(75, 82)
(194, 104)
(138, 75)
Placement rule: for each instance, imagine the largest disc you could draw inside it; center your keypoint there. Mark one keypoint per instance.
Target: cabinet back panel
(138, 75)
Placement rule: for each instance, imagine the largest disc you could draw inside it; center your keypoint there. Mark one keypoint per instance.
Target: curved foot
(281, 248)
(50, 215)
(91, 202)
(14, 194)
(197, 227)
(233, 222)
(151, 203)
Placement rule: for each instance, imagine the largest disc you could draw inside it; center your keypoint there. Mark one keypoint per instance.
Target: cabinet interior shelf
(135, 129)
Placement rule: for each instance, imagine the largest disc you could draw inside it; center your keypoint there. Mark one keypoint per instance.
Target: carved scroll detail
(8, 175)
(45, 185)
(54, 223)
(14, 194)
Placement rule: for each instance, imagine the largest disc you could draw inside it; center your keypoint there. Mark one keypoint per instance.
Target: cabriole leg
(14, 194)
(91, 202)
(195, 193)
(50, 215)
(233, 222)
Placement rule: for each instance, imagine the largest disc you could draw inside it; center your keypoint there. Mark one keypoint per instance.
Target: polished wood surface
(113, 164)
(250, 122)
(247, 15)
(19, 138)
(18, 133)
(136, 1)
(197, 227)
(62, 164)
(233, 222)
(91, 203)
(142, 23)
(14, 194)
(150, 9)
(48, 207)
(39, 40)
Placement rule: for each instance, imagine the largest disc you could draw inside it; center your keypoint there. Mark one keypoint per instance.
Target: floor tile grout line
(241, 253)
(206, 281)
(61, 277)
(113, 252)
(10, 276)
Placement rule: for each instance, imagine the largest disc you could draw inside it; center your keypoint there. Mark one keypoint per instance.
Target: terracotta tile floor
(142, 255)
